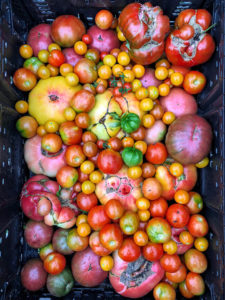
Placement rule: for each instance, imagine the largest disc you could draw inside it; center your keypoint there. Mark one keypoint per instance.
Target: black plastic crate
(16, 18)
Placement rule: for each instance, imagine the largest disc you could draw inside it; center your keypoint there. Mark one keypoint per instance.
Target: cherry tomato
(51, 142)
(41, 130)
(123, 58)
(128, 75)
(157, 112)
(178, 215)
(177, 276)
(77, 187)
(53, 46)
(129, 251)
(186, 238)
(198, 226)
(153, 92)
(97, 217)
(115, 52)
(69, 114)
(82, 120)
(164, 89)
(100, 89)
(136, 84)
(127, 87)
(129, 222)
(158, 230)
(142, 203)
(162, 63)
(65, 69)
(26, 51)
(24, 79)
(134, 172)
(72, 79)
(194, 82)
(96, 246)
(170, 247)
(148, 170)
(140, 238)
(201, 244)
(114, 209)
(87, 167)
(106, 263)
(111, 237)
(51, 126)
(27, 126)
(146, 104)
(87, 39)
(148, 121)
(96, 177)
(80, 48)
(115, 143)
(81, 219)
(170, 263)
(56, 58)
(54, 263)
(86, 202)
(109, 161)
(158, 207)
(156, 153)
(176, 78)
(152, 251)
(182, 197)
(102, 55)
(89, 136)
(45, 251)
(104, 19)
(176, 169)
(195, 203)
(164, 291)
(81, 176)
(168, 117)
(67, 176)
(90, 149)
(21, 106)
(141, 93)
(75, 241)
(83, 229)
(54, 71)
(117, 70)
(195, 284)
(127, 142)
(109, 60)
(43, 56)
(104, 72)
(203, 163)
(144, 215)
(139, 134)
(74, 156)
(121, 36)
(184, 290)
(161, 73)
(88, 187)
(138, 70)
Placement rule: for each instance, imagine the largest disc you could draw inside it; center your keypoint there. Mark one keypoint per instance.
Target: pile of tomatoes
(158, 229)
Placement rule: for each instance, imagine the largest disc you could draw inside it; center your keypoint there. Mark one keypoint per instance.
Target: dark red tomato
(93, 54)
(56, 58)
(90, 149)
(115, 143)
(97, 217)
(177, 276)
(152, 251)
(114, 209)
(86, 201)
(89, 136)
(103, 54)
(111, 237)
(70, 133)
(194, 82)
(82, 120)
(158, 207)
(170, 263)
(185, 291)
(96, 246)
(142, 226)
(100, 88)
(87, 39)
(117, 92)
(54, 263)
(198, 226)
(74, 155)
(110, 161)
(156, 154)
(127, 87)
(81, 176)
(139, 134)
(148, 170)
(129, 251)
(24, 79)
(100, 144)
(195, 284)
(178, 215)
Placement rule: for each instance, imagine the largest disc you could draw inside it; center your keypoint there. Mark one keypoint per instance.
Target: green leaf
(115, 116)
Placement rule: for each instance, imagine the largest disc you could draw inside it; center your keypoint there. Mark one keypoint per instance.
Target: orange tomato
(161, 73)
(83, 229)
(163, 63)
(104, 72)
(80, 48)
(144, 215)
(117, 70)
(142, 203)
(123, 58)
(65, 69)
(138, 70)
(148, 120)
(176, 169)
(128, 75)
(181, 197)
(168, 117)
(127, 142)
(186, 238)
(21, 106)
(141, 145)
(106, 263)
(140, 238)
(81, 219)
(141, 93)
(176, 78)
(43, 72)
(164, 89)
(26, 51)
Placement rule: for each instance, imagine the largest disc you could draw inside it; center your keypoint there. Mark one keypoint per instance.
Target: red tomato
(111, 237)
(158, 207)
(129, 251)
(56, 58)
(96, 246)
(67, 176)
(156, 154)
(170, 263)
(194, 82)
(185, 291)
(115, 143)
(103, 54)
(86, 201)
(110, 161)
(51, 142)
(82, 101)
(87, 39)
(81, 176)
(195, 284)
(54, 263)
(97, 217)
(152, 251)
(86, 70)
(177, 276)
(24, 79)
(74, 155)
(114, 209)
(198, 226)
(178, 215)
(70, 133)
(127, 87)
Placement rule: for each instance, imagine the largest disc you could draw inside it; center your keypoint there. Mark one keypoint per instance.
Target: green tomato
(32, 64)
(130, 122)
(132, 156)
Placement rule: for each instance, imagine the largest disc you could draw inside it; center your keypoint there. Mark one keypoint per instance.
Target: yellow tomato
(81, 219)
(43, 56)
(161, 73)
(144, 215)
(146, 104)
(120, 36)
(141, 93)
(69, 114)
(83, 229)
(43, 72)
(104, 72)
(80, 47)
(87, 167)
(26, 51)
(117, 70)
(72, 79)
(136, 84)
(142, 146)
(21, 106)
(164, 89)
(201, 244)
(53, 46)
(123, 58)
(135, 172)
(138, 70)
(106, 263)
(88, 187)
(153, 92)
(128, 75)
(176, 169)
(168, 117)
(148, 120)
(51, 126)
(176, 78)
(109, 60)
(96, 177)
(203, 163)
(170, 247)
(142, 203)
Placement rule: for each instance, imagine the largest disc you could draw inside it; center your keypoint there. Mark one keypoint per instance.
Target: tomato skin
(97, 217)
(159, 230)
(67, 176)
(115, 143)
(158, 207)
(86, 202)
(82, 101)
(140, 238)
(185, 291)
(21, 106)
(129, 251)
(139, 134)
(178, 215)
(152, 189)
(109, 161)
(56, 58)
(164, 291)
(87, 39)
(170, 263)
(76, 242)
(114, 209)
(88, 136)
(86, 70)
(27, 126)
(111, 237)
(177, 276)
(156, 154)
(129, 222)
(195, 284)
(96, 246)
(195, 261)
(90, 149)
(24, 79)
(70, 133)
(194, 82)
(152, 251)
(198, 226)
(51, 142)
(45, 251)
(148, 170)
(74, 155)
(54, 263)
(103, 19)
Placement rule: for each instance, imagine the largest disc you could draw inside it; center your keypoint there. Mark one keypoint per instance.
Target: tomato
(106, 263)
(134, 172)
(97, 217)
(110, 161)
(146, 104)
(129, 251)
(194, 82)
(88, 187)
(44, 251)
(148, 170)
(109, 60)
(136, 84)
(195, 261)
(143, 203)
(96, 177)
(129, 75)
(168, 117)
(75, 241)
(41, 130)
(115, 52)
(24, 79)
(87, 39)
(54, 71)
(138, 70)
(43, 56)
(21, 106)
(81, 176)
(176, 78)
(162, 63)
(144, 215)
(176, 169)
(139, 134)
(69, 114)
(93, 54)
(26, 51)
(81, 219)
(157, 112)
(164, 89)
(87, 167)
(82, 120)
(181, 196)
(203, 163)
(129, 223)
(158, 207)
(156, 154)
(103, 54)
(74, 155)
(104, 72)
(161, 73)
(82, 101)
(201, 244)
(111, 237)
(127, 142)
(86, 202)
(152, 251)
(27, 126)
(96, 246)
(195, 284)
(184, 290)
(90, 149)
(56, 58)
(51, 142)
(80, 47)
(178, 215)
(170, 263)
(65, 69)
(54, 263)
(115, 143)
(170, 247)
(151, 188)
(86, 70)
(67, 176)
(195, 203)
(141, 93)
(117, 70)
(164, 291)
(123, 58)
(153, 92)
(51, 126)
(114, 209)
(43, 72)
(53, 46)
(77, 187)
(177, 276)
(158, 230)
(83, 229)
(89, 136)
(70, 133)
(72, 80)
(104, 19)
(140, 238)
(198, 226)
(100, 89)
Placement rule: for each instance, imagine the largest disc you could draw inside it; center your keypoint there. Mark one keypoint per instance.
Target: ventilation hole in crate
(9, 149)
(3, 181)
(210, 83)
(3, 164)
(216, 184)
(4, 130)
(3, 147)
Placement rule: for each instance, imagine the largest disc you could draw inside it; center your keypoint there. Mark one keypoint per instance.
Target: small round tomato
(176, 169)
(198, 226)
(141, 93)
(115, 52)
(139, 134)
(161, 73)
(41, 130)
(110, 161)
(54, 263)
(170, 263)
(142, 203)
(128, 75)
(80, 47)
(203, 163)
(152, 251)
(158, 207)
(129, 251)
(89, 136)
(53, 46)
(106, 263)
(96, 246)
(43, 72)
(87, 167)
(129, 222)
(148, 121)
(168, 117)
(86, 202)
(82, 218)
(104, 19)
(67, 176)
(43, 56)
(121, 36)
(140, 238)
(70, 133)
(195, 203)
(194, 82)
(72, 79)
(74, 156)
(100, 89)
(24, 79)
(170, 247)
(75, 241)
(65, 69)
(21, 106)
(176, 78)
(123, 58)
(156, 153)
(177, 276)
(81, 176)
(151, 188)
(111, 237)
(56, 58)
(162, 63)
(195, 284)
(115, 143)
(158, 230)
(136, 84)
(77, 187)
(127, 142)
(138, 70)
(26, 51)
(164, 291)
(201, 244)
(153, 92)
(102, 55)
(109, 60)
(148, 170)
(164, 89)
(82, 120)
(88, 187)
(157, 112)
(181, 196)
(54, 71)
(90, 149)
(104, 72)
(117, 92)
(69, 114)
(27, 126)
(144, 215)
(146, 104)
(134, 172)
(141, 145)
(97, 217)
(195, 261)
(84, 229)
(51, 142)
(127, 87)
(51, 126)
(45, 251)
(114, 209)
(186, 238)
(178, 215)
(96, 177)
(117, 70)
(185, 291)
(87, 39)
